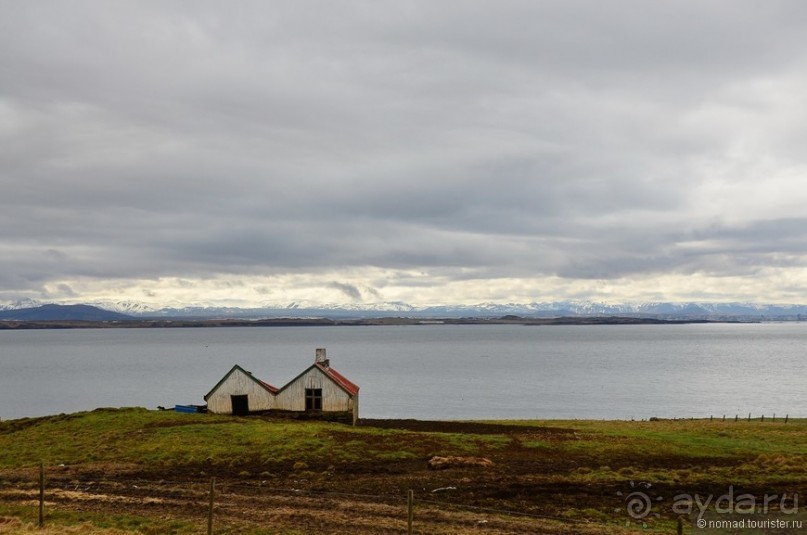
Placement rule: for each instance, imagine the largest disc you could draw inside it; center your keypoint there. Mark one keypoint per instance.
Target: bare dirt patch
(470, 428)
(541, 480)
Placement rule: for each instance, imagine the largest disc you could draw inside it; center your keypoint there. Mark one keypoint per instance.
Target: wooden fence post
(786, 415)
(210, 509)
(680, 529)
(41, 494)
(410, 506)
(749, 416)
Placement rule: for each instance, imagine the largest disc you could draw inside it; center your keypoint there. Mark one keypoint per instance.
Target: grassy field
(133, 470)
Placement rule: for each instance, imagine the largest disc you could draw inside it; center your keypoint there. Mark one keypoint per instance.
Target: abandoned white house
(319, 391)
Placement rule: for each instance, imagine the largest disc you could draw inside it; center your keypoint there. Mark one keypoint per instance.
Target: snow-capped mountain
(394, 306)
(125, 307)
(54, 312)
(665, 310)
(539, 309)
(21, 303)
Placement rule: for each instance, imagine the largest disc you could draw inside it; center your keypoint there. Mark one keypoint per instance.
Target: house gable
(266, 386)
(337, 378)
(317, 382)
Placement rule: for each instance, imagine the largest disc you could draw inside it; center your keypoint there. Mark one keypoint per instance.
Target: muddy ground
(523, 492)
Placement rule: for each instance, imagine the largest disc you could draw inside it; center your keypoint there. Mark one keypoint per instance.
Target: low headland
(132, 470)
(329, 322)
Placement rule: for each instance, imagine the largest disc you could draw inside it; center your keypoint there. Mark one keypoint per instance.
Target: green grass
(168, 439)
(742, 452)
(90, 522)
(682, 454)
(686, 438)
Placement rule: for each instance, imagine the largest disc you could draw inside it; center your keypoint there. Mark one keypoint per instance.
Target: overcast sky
(247, 153)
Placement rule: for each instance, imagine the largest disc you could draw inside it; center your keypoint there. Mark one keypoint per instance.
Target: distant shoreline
(163, 323)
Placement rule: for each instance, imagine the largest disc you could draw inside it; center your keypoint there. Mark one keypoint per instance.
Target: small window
(313, 399)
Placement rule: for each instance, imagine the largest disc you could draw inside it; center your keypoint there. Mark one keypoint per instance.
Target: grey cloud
(374, 293)
(510, 140)
(351, 291)
(66, 291)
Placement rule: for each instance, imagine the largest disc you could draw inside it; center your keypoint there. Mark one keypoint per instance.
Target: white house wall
(237, 384)
(292, 397)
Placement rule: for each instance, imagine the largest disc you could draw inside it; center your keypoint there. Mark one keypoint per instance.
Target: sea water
(427, 371)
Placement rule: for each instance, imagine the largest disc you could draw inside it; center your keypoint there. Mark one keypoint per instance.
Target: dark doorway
(240, 404)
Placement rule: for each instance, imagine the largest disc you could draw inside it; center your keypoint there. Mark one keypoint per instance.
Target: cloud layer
(420, 151)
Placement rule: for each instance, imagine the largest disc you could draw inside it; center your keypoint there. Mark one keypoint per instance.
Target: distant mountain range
(30, 310)
(52, 312)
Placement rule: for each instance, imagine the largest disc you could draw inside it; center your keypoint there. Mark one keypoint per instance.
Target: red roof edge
(340, 379)
(270, 388)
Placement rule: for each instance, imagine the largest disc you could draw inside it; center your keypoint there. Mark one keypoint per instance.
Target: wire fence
(225, 504)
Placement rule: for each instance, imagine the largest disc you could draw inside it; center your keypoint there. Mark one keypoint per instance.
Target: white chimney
(321, 358)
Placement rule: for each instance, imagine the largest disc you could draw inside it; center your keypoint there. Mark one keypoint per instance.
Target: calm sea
(429, 371)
